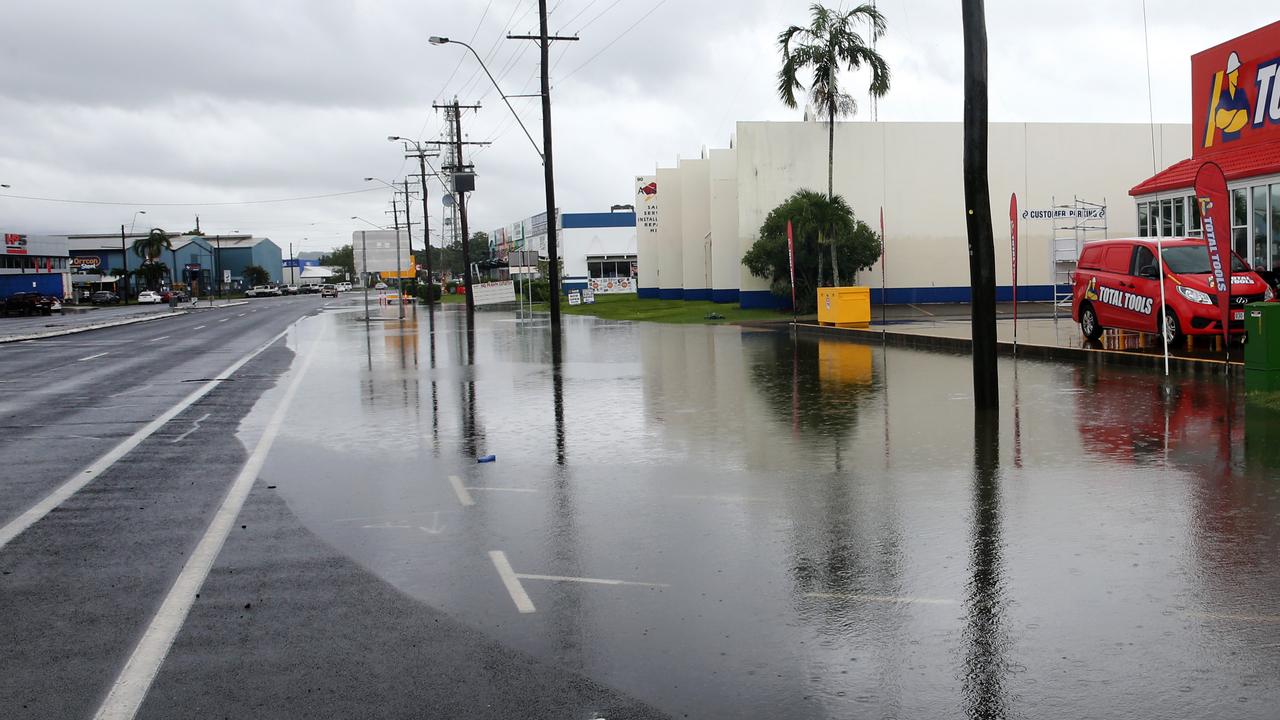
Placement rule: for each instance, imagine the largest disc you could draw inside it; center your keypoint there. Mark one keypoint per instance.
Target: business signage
(299, 263)
(1235, 92)
(1070, 213)
(15, 244)
(86, 262)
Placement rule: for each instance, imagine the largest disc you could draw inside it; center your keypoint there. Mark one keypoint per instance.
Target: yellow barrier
(844, 306)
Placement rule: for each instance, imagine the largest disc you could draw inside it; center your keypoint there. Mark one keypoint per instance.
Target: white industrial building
(698, 218)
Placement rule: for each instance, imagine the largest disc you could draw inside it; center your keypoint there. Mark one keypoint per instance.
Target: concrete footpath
(84, 319)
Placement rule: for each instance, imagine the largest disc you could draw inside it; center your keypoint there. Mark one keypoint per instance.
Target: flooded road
(724, 522)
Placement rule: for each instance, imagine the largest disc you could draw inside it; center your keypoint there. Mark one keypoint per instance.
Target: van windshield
(1191, 260)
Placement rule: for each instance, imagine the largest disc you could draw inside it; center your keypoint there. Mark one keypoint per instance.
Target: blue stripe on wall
(960, 294)
(724, 296)
(757, 299)
(671, 293)
(568, 221)
(43, 283)
(647, 293)
(698, 294)
(568, 286)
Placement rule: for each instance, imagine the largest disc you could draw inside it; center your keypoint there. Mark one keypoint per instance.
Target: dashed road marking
(92, 357)
(523, 604)
(593, 581)
(197, 327)
(501, 489)
(224, 319)
(162, 337)
(464, 497)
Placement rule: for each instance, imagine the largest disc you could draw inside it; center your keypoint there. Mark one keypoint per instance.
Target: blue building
(202, 259)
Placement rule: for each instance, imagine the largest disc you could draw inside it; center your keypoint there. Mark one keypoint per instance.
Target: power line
(190, 204)
(616, 39)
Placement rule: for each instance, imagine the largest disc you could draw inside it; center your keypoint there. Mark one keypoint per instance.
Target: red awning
(1244, 162)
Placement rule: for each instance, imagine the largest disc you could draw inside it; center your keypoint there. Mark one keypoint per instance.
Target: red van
(1116, 286)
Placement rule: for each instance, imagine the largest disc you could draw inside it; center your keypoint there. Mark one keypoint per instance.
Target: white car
(380, 286)
(149, 296)
(344, 287)
(263, 291)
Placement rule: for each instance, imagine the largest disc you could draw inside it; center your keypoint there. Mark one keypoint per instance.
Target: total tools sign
(1235, 92)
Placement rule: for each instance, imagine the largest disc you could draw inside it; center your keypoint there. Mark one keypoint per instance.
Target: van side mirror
(1148, 272)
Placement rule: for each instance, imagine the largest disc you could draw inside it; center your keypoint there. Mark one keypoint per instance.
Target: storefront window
(1179, 218)
(1275, 226)
(1194, 229)
(1143, 228)
(1259, 258)
(1166, 218)
(1240, 222)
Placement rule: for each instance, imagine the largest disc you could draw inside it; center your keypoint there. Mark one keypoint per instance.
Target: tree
(816, 221)
(343, 257)
(255, 275)
(151, 246)
(829, 44)
(150, 273)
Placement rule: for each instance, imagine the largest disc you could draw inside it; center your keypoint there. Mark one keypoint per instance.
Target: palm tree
(150, 247)
(829, 44)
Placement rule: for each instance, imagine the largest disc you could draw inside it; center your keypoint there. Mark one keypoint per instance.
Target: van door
(1143, 294)
(1112, 283)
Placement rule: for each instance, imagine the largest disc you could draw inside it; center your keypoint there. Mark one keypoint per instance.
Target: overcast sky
(145, 102)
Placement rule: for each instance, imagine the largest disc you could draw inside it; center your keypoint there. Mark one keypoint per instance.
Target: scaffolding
(1074, 225)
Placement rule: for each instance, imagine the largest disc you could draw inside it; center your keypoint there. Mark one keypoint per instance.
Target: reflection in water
(986, 642)
(557, 389)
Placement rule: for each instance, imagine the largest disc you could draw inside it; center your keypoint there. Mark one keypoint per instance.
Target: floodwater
(808, 527)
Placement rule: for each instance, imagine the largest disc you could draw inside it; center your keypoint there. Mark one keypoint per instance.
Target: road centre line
(197, 327)
(241, 314)
(501, 489)
(162, 337)
(881, 598)
(131, 686)
(77, 482)
(195, 425)
(464, 497)
(523, 604)
(224, 319)
(92, 357)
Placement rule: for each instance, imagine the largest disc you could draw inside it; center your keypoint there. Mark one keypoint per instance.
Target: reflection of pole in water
(1017, 420)
(985, 665)
(435, 396)
(557, 388)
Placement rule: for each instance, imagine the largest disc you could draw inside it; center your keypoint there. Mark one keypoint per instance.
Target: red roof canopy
(1242, 162)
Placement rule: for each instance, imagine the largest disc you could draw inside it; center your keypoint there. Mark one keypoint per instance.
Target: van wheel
(1089, 323)
(1172, 330)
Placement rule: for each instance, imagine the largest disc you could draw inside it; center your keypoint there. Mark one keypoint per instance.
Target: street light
(436, 40)
(377, 227)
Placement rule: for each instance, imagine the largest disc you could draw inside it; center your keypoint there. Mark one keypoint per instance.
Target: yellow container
(844, 306)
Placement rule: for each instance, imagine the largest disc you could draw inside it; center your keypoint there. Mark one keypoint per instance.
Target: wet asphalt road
(691, 521)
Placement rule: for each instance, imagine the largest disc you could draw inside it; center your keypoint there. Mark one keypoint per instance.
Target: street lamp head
(393, 138)
(369, 179)
(437, 40)
(2, 185)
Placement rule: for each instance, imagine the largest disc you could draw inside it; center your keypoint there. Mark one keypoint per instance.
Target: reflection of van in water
(1117, 286)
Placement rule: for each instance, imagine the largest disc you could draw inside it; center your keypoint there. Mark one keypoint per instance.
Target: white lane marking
(881, 598)
(131, 686)
(195, 425)
(436, 528)
(500, 489)
(464, 497)
(162, 337)
(130, 392)
(509, 579)
(241, 315)
(596, 581)
(92, 357)
(197, 327)
(224, 319)
(77, 482)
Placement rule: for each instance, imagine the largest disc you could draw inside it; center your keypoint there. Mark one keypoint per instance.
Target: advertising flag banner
(791, 258)
(1211, 194)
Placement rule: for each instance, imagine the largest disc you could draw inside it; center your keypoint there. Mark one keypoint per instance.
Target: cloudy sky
(186, 107)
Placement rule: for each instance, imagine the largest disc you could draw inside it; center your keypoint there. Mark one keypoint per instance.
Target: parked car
(147, 297)
(263, 291)
(173, 296)
(104, 297)
(380, 286)
(1117, 285)
(309, 289)
(31, 303)
(289, 289)
(328, 291)
(344, 287)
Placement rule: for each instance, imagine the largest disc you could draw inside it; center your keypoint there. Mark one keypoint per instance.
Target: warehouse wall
(726, 257)
(695, 206)
(670, 236)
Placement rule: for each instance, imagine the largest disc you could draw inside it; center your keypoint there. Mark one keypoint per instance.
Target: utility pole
(421, 154)
(463, 182)
(977, 200)
(293, 271)
(553, 255)
(124, 261)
